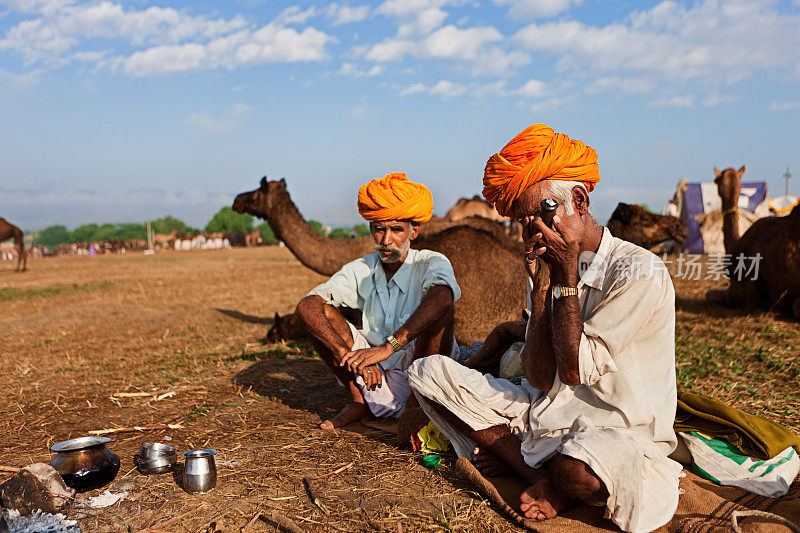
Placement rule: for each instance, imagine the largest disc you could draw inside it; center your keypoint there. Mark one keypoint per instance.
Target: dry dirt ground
(75, 332)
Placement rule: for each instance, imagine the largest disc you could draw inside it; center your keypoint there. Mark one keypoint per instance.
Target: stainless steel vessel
(199, 471)
(155, 458)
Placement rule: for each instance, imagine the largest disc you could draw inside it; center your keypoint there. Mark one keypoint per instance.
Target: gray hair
(562, 191)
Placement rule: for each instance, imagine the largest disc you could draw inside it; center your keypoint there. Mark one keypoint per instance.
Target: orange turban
(536, 154)
(394, 197)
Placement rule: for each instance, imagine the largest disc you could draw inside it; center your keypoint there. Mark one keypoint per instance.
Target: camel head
(261, 201)
(729, 184)
(636, 224)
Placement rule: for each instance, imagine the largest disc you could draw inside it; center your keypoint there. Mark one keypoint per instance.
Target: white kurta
(619, 419)
(385, 306)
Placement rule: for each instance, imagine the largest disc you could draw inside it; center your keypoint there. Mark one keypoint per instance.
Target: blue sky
(119, 111)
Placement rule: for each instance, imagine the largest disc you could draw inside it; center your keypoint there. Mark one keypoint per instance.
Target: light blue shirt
(386, 305)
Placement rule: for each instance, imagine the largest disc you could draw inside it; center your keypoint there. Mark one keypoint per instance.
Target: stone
(35, 487)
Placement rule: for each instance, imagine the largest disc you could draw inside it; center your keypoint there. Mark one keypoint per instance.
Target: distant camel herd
(477, 240)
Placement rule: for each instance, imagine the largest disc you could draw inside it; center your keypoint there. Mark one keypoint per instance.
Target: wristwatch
(393, 342)
(559, 292)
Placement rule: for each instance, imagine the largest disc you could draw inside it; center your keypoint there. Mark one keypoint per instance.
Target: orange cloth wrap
(394, 197)
(536, 154)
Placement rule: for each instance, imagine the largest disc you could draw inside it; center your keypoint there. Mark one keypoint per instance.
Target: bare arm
(433, 305)
(538, 359)
(567, 326)
(311, 311)
(436, 302)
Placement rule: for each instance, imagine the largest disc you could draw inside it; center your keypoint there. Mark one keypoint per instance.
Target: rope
(763, 514)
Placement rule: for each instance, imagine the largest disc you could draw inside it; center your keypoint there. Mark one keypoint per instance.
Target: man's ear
(414, 229)
(580, 200)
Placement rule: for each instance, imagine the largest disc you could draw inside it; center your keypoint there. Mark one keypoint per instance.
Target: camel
(10, 231)
(634, 223)
(775, 239)
(475, 206)
(165, 241)
(489, 271)
(252, 238)
(469, 208)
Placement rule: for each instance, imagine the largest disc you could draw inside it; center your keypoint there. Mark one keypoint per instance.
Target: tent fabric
(783, 205)
(700, 201)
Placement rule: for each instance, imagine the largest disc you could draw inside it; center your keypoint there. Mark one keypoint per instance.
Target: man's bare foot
(351, 413)
(541, 501)
(489, 464)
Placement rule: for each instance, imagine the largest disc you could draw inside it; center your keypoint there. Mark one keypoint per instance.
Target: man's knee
(576, 479)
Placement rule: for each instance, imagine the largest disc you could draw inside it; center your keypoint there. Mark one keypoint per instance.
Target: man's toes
(326, 425)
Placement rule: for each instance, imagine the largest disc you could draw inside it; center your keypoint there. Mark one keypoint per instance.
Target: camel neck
(321, 254)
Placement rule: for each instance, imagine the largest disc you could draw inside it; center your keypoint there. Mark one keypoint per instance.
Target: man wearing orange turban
(405, 298)
(599, 400)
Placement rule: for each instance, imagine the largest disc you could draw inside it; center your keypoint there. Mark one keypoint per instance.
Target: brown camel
(489, 270)
(10, 231)
(470, 208)
(475, 206)
(634, 223)
(775, 239)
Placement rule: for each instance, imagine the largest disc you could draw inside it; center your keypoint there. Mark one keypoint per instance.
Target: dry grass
(77, 329)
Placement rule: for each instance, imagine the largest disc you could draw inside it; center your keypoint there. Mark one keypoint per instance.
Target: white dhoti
(641, 480)
(389, 399)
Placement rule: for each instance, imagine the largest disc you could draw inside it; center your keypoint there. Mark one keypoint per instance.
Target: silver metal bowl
(156, 450)
(199, 471)
(155, 458)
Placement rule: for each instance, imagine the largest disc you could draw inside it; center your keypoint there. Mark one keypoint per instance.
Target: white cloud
(471, 47)
(268, 44)
(389, 50)
(533, 89)
(526, 9)
(168, 40)
(351, 70)
(784, 106)
(673, 101)
(414, 89)
(493, 89)
(295, 15)
(716, 99)
(55, 32)
(342, 14)
(549, 104)
(221, 124)
(443, 88)
(448, 89)
(712, 41)
(620, 84)
(451, 42)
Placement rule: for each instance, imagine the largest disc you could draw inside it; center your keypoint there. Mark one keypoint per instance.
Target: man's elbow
(303, 307)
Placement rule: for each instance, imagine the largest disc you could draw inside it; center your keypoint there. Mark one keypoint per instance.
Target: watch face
(556, 292)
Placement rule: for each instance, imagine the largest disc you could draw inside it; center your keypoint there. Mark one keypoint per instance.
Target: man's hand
(357, 359)
(372, 376)
(559, 246)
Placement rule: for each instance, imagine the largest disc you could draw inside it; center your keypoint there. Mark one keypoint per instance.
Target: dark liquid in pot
(92, 478)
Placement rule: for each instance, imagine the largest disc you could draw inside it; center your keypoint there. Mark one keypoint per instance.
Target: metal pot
(199, 471)
(85, 463)
(155, 458)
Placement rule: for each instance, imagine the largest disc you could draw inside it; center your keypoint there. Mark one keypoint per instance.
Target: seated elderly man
(405, 297)
(593, 420)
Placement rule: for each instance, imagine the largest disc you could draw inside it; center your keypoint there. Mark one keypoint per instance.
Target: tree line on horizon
(226, 220)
